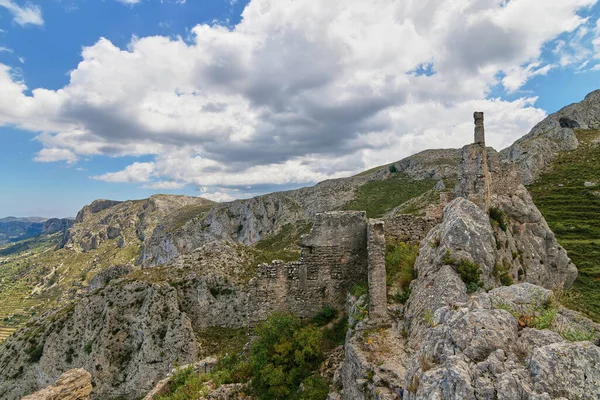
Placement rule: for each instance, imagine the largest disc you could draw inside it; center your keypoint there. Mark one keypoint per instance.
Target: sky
(226, 99)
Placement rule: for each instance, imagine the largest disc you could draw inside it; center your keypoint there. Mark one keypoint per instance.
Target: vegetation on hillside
(572, 210)
(284, 245)
(284, 358)
(400, 260)
(379, 197)
(34, 276)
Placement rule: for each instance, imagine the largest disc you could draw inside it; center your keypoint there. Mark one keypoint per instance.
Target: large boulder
(75, 384)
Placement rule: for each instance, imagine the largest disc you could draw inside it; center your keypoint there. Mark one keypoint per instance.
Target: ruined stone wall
(334, 257)
(376, 272)
(409, 228)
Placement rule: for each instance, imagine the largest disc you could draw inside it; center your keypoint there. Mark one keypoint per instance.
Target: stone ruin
(344, 248)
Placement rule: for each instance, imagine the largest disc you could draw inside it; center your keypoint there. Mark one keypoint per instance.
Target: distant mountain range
(14, 229)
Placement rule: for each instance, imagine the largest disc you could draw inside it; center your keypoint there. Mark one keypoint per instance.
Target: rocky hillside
(135, 287)
(538, 149)
(55, 267)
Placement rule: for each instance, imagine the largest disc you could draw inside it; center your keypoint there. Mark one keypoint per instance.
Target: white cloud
(54, 154)
(298, 92)
(166, 185)
(129, 2)
(5, 49)
(219, 197)
(136, 172)
(28, 14)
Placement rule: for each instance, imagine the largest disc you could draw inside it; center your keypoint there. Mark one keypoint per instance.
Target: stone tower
(474, 175)
(479, 130)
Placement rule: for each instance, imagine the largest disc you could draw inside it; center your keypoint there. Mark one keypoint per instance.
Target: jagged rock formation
(505, 342)
(75, 384)
(536, 150)
(523, 246)
(128, 336)
(129, 222)
(104, 277)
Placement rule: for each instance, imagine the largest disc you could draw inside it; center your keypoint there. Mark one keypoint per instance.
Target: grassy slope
(573, 212)
(379, 197)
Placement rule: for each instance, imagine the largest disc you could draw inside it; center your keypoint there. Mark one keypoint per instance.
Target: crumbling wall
(334, 257)
(409, 228)
(376, 271)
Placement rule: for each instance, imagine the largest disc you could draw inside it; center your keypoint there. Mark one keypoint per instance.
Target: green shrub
(469, 272)
(401, 296)
(577, 335)
(498, 216)
(88, 347)
(392, 168)
(35, 353)
(337, 333)
(284, 354)
(324, 316)
(315, 388)
(359, 289)
(400, 262)
(544, 319)
(503, 275)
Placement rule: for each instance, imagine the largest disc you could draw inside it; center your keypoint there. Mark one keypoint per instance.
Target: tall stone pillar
(479, 129)
(376, 270)
(474, 178)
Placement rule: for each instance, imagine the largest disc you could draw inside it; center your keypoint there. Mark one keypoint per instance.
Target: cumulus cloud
(298, 92)
(164, 185)
(24, 15)
(136, 172)
(54, 154)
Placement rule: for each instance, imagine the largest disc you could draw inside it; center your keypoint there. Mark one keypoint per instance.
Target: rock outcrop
(104, 277)
(536, 150)
(128, 222)
(128, 336)
(468, 332)
(75, 384)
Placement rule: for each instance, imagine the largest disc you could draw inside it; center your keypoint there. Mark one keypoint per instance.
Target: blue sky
(105, 99)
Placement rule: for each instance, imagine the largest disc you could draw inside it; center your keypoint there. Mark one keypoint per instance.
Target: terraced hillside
(568, 195)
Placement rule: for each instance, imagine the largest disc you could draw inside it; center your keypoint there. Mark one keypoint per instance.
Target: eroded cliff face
(129, 222)
(128, 336)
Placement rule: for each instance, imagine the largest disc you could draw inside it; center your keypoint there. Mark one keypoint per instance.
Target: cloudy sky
(228, 99)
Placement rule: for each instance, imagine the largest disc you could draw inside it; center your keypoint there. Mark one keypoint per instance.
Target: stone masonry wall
(409, 228)
(377, 276)
(334, 257)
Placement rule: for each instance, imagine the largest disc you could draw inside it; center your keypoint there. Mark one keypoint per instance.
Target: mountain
(13, 229)
(133, 288)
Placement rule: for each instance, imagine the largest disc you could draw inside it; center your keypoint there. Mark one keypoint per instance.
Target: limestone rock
(75, 384)
(536, 150)
(102, 279)
(566, 370)
(129, 221)
(128, 336)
